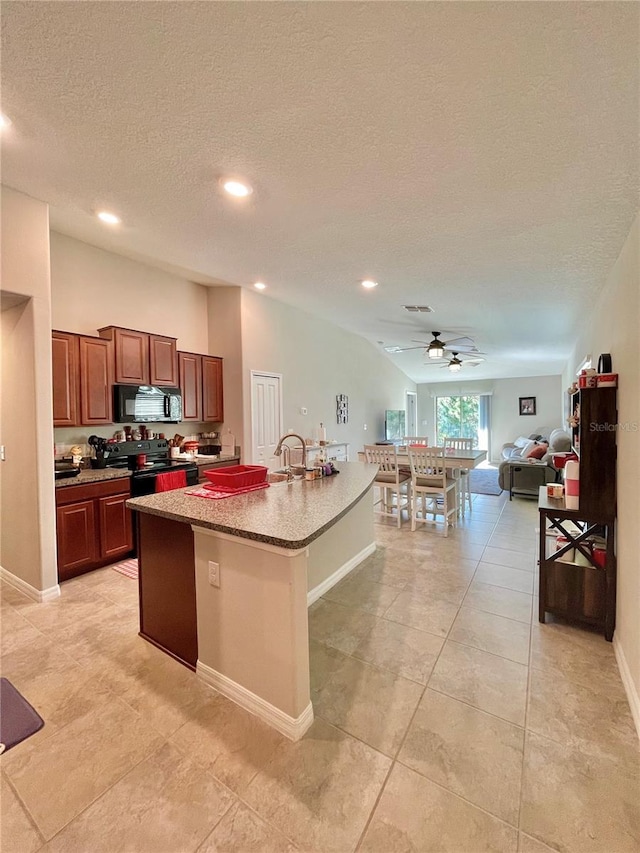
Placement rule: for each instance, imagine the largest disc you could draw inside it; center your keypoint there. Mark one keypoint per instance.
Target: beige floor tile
(10, 595)
(241, 830)
(98, 642)
(599, 723)
(496, 634)
(58, 777)
(73, 607)
(415, 814)
(371, 704)
(434, 615)
(519, 543)
(505, 577)
(338, 626)
(578, 803)
(527, 844)
(446, 584)
(362, 594)
(400, 649)
(391, 571)
(490, 683)
(579, 655)
(323, 663)
(166, 803)
(320, 791)
(435, 544)
(17, 832)
(473, 754)
(16, 630)
(523, 560)
(498, 600)
(229, 742)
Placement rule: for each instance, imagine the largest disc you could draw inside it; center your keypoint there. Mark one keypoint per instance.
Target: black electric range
(124, 454)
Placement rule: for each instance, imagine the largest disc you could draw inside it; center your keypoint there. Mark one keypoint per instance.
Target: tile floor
(447, 719)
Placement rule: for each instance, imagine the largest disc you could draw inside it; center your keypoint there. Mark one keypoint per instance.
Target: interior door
(266, 418)
(412, 414)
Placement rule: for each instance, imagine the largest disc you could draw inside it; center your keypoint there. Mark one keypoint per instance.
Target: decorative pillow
(526, 449)
(522, 441)
(537, 451)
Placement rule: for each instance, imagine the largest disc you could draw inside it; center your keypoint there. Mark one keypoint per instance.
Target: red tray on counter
(236, 477)
(208, 490)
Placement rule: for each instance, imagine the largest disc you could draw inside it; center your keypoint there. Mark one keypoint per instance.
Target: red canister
(141, 460)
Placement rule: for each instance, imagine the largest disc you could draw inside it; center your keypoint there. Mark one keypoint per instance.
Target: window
(464, 417)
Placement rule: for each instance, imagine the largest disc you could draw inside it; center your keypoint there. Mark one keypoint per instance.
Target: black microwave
(142, 404)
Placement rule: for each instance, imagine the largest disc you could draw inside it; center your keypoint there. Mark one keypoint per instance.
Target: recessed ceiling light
(237, 188)
(4, 121)
(369, 283)
(259, 285)
(109, 218)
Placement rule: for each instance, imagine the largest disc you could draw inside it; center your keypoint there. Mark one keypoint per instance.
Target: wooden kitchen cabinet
(142, 358)
(212, 398)
(190, 382)
(82, 380)
(66, 389)
(94, 526)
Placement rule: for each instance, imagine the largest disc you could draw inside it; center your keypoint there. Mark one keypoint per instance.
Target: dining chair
(415, 439)
(430, 481)
(392, 481)
(461, 475)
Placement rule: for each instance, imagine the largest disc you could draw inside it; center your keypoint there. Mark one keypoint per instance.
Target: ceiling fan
(455, 364)
(436, 348)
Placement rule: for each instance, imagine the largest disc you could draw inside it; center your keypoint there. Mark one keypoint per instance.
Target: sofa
(526, 477)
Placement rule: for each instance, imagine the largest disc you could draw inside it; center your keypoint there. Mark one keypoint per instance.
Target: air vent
(422, 309)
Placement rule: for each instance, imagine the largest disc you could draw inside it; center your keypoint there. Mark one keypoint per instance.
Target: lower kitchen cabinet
(93, 526)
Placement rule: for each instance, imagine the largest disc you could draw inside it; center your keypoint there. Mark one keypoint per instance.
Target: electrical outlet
(365, 426)
(214, 573)
(303, 410)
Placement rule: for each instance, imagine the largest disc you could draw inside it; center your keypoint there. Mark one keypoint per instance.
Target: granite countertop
(93, 475)
(288, 515)
(221, 457)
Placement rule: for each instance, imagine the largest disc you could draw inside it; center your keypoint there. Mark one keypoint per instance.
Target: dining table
(453, 458)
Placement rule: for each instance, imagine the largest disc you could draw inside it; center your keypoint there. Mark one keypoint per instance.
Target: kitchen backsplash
(66, 437)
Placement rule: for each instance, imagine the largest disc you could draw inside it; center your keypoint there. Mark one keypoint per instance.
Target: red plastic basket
(236, 476)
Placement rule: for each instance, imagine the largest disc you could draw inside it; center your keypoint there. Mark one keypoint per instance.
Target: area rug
(484, 481)
(18, 720)
(128, 568)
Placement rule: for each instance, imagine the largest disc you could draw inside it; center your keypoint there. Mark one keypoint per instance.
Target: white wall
(27, 482)
(318, 361)
(614, 327)
(225, 340)
(506, 421)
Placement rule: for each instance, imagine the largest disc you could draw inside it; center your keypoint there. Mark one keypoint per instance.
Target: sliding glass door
(464, 417)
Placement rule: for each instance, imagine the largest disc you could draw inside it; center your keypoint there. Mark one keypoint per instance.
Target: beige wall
(91, 288)
(27, 484)
(614, 327)
(506, 422)
(225, 340)
(318, 361)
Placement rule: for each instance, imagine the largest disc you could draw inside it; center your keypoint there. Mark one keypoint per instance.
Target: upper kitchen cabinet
(96, 381)
(82, 379)
(201, 387)
(65, 362)
(212, 399)
(141, 358)
(190, 373)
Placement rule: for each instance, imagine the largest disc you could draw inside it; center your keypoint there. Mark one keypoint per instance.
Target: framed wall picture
(342, 408)
(527, 405)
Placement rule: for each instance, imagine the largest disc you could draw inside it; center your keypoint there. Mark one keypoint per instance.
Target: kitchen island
(225, 584)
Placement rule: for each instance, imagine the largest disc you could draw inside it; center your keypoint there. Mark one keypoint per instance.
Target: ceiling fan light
(454, 366)
(435, 350)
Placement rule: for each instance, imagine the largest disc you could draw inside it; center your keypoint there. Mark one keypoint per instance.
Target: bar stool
(461, 475)
(391, 480)
(429, 480)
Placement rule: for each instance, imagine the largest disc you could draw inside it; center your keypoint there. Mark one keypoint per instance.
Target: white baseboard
(39, 595)
(630, 688)
(291, 727)
(315, 593)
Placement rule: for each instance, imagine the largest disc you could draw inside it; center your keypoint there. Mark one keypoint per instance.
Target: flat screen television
(394, 424)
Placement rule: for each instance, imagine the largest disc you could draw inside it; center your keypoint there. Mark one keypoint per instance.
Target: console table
(585, 593)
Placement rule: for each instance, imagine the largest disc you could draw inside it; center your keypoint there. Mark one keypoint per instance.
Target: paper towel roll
(572, 485)
(322, 433)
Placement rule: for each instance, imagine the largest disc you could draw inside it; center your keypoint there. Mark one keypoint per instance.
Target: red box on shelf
(237, 476)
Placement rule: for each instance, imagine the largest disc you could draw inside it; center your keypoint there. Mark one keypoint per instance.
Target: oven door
(144, 482)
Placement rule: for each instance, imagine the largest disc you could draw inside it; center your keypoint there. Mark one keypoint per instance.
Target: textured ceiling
(481, 158)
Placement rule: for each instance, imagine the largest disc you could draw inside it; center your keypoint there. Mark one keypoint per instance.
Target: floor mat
(127, 567)
(18, 720)
(484, 481)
